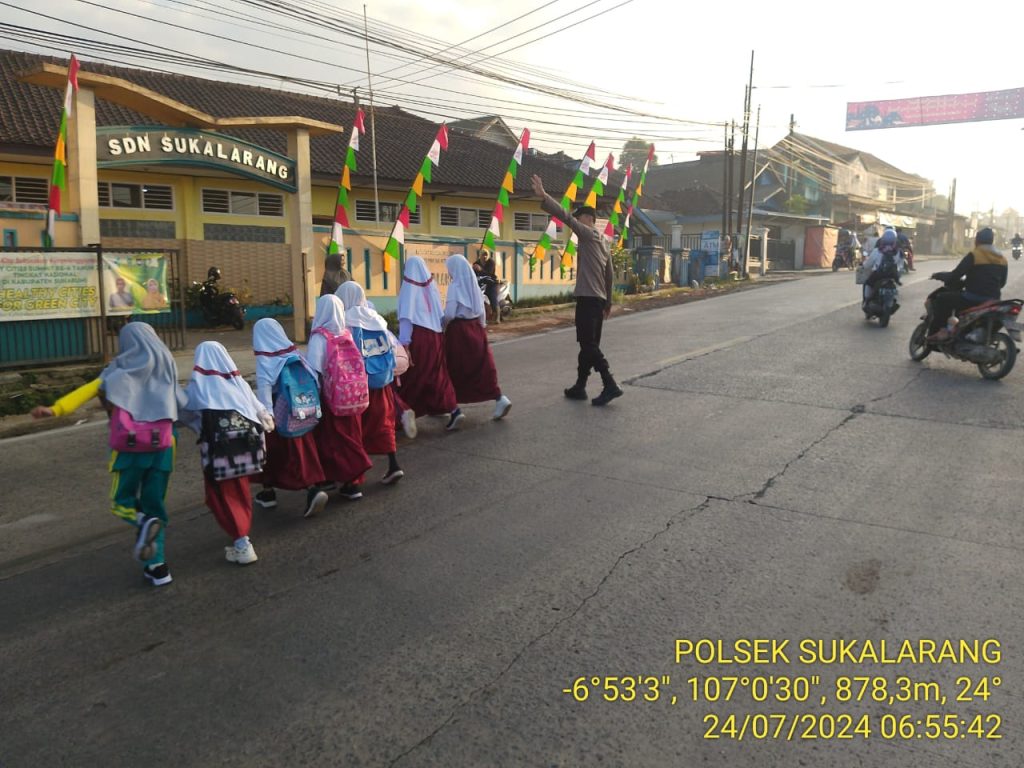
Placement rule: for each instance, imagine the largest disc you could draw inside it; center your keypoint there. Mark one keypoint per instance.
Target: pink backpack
(131, 436)
(344, 386)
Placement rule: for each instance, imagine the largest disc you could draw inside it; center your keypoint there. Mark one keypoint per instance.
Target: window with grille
(24, 189)
(470, 218)
(242, 203)
(532, 222)
(388, 212)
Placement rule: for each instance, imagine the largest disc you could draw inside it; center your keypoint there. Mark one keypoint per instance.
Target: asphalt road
(777, 471)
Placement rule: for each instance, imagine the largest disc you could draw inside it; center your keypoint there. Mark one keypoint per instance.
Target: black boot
(578, 391)
(610, 392)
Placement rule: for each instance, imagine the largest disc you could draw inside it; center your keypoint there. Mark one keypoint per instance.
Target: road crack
(682, 516)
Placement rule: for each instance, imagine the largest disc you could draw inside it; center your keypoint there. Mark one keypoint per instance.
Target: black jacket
(985, 271)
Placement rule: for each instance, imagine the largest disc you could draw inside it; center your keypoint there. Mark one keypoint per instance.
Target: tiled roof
(30, 115)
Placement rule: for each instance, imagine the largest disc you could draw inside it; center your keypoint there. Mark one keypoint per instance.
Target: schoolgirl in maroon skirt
(467, 351)
(339, 439)
(293, 463)
(378, 420)
(426, 386)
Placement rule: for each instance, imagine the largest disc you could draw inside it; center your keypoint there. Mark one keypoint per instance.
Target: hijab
(464, 297)
(273, 349)
(218, 386)
(330, 316)
(143, 378)
(359, 313)
(419, 301)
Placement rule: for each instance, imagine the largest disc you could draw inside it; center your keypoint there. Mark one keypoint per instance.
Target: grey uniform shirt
(594, 274)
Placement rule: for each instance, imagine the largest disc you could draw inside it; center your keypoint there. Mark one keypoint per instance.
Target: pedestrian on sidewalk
(426, 386)
(140, 392)
(230, 421)
(334, 274)
(370, 333)
(293, 463)
(466, 350)
(593, 292)
(339, 438)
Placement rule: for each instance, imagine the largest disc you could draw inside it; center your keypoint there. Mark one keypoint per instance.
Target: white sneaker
(409, 424)
(241, 556)
(502, 407)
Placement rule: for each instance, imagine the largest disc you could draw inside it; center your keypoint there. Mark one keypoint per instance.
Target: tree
(634, 152)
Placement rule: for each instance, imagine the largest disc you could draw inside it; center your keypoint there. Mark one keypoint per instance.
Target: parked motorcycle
(504, 297)
(984, 335)
(218, 308)
(884, 303)
(846, 257)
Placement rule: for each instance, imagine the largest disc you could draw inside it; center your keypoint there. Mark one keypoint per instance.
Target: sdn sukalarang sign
(120, 146)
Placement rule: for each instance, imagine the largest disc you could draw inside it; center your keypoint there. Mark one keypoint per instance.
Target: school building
(245, 178)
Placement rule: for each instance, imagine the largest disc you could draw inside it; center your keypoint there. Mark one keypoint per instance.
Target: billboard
(43, 285)
(935, 110)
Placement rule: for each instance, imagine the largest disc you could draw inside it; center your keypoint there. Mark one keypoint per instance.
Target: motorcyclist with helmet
(906, 247)
(885, 261)
(849, 245)
(981, 273)
(1016, 243)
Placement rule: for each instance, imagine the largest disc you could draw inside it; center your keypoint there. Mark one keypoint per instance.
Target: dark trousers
(589, 321)
(943, 305)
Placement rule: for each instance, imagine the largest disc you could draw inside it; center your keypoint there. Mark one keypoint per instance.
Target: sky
(669, 72)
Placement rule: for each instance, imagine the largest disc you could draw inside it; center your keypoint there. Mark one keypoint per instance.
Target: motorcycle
(504, 298)
(884, 303)
(1016, 253)
(984, 334)
(218, 308)
(846, 257)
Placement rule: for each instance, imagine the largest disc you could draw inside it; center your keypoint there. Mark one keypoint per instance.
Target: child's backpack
(297, 404)
(230, 445)
(345, 390)
(131, 436)
(887, 267)
(378, 356)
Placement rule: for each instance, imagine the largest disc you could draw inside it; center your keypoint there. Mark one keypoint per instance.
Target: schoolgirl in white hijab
(330, 316)
(339, 439)
(426, 386)
(293, 463)
(419, 301)
(360, 312)
(216, 384)
(465, 300)
(378, 420)
(143, 381)
(467, 351)
(273, 349)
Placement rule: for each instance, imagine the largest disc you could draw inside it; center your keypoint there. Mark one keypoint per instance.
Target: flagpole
(373, 119)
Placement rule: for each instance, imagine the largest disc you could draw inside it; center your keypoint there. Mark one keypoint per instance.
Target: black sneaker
(157, 575)
(316, 500)
(350, 491)
(576, 392)
(607, 395)
(392, 477)
(454, 420)
(267, 498)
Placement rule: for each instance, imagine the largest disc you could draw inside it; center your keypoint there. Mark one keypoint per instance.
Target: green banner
(135, 283)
